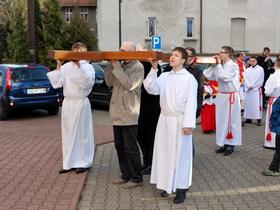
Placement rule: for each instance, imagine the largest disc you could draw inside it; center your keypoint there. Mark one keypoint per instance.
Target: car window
(28, 75)
(99, 73)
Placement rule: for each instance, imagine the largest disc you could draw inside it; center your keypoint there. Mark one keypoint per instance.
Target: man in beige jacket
(126, 78)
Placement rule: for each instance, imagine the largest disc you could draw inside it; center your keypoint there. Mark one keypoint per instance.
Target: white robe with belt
(173, 151)
(76, 117)
(272, 89)
(253, 77)
(227, 76)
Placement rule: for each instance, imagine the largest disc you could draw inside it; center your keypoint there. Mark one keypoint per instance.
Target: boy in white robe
(228, 110)
(253, 81)
(173, 155)
(272, 90)
(77, 80)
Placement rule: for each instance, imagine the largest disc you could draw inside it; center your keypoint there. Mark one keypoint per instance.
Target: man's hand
(218, 59)
(187, 131)
(59, 64)
(114, 63)
(153, 62)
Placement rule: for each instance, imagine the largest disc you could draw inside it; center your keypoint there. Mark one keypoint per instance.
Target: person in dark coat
(192, 67)
(147, 122)
(266, 63)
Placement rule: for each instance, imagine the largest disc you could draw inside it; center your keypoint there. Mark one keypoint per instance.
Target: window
(238, 33)
(151, 26)
(68, 14)
(189, 26)
(84, 13)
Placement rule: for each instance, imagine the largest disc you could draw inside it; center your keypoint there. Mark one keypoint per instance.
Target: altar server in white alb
(173, 148)
(272, 90)
(228, 110)
(77, 79)
(253, 81)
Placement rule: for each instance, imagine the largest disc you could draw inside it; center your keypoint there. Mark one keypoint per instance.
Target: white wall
(262, 26)
(260, 29)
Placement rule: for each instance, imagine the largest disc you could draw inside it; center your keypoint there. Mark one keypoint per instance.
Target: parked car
(26, 87)
(101, 93)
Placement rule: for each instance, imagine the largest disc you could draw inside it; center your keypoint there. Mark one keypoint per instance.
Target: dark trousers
(128, 152)
(274, 165)
(146, 140)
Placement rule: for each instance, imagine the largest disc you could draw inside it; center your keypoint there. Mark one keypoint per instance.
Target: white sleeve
(189, 120)
(151, 83)
(226, 75)
(269, 85)
(209, 73)
(56, 78)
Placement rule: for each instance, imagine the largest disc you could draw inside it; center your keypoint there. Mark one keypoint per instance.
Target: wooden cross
(118, 55)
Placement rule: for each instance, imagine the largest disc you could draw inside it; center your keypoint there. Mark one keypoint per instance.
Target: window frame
(68, 14)
(84, 13)
(154, 20)
(189, 27)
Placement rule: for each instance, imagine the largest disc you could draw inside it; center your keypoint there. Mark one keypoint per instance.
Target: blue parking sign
(156, 42)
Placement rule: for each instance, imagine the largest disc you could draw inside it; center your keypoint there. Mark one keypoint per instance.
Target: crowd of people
(154, 112)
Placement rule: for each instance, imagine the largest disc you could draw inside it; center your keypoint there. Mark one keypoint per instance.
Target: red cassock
(208, 117)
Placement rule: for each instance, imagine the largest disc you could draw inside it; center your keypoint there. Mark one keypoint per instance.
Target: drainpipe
(120, 23)
(200, 28)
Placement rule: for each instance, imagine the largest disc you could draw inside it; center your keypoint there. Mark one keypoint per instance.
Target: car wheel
(53, 110)
(3, 113)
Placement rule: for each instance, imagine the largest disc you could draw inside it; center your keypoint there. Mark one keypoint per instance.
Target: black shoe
(220, 150)
(63, 171)
(164, 194)
(259, 122)
(146, 170)
(180, 196)
(248, 121)
(228, 152)
(81, 170)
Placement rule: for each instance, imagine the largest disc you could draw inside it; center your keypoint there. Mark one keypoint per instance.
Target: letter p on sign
(156, 42)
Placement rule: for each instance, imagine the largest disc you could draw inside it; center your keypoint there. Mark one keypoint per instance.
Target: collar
(128, 65)
(182, 71)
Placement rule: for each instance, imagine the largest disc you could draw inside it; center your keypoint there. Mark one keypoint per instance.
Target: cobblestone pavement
(219, 182)
(30, 157)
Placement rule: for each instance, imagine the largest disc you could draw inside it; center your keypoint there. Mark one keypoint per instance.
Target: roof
(78, 3)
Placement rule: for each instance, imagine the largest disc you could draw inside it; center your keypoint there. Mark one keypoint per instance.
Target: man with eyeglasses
(228, 110)
(126, 78)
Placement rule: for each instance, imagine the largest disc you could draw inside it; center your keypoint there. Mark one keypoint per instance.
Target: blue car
(26, 87)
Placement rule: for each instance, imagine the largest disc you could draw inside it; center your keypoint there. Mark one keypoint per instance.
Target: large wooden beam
(104, 55)
(118, 55)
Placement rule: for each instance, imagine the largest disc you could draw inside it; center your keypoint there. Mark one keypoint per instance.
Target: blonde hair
(79, 46)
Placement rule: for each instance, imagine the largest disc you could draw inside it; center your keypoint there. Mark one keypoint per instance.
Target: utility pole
(120, 23)
(31, 31)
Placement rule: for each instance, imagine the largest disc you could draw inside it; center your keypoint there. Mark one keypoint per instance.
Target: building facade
(85, 8)
(206, 25)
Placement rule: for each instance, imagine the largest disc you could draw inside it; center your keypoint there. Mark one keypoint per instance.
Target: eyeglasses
(223, 52)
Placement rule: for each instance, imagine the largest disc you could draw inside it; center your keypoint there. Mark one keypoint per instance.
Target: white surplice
(228, 117)
(272, 89)
(173, 151)
(76, 117)
(253, 77)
